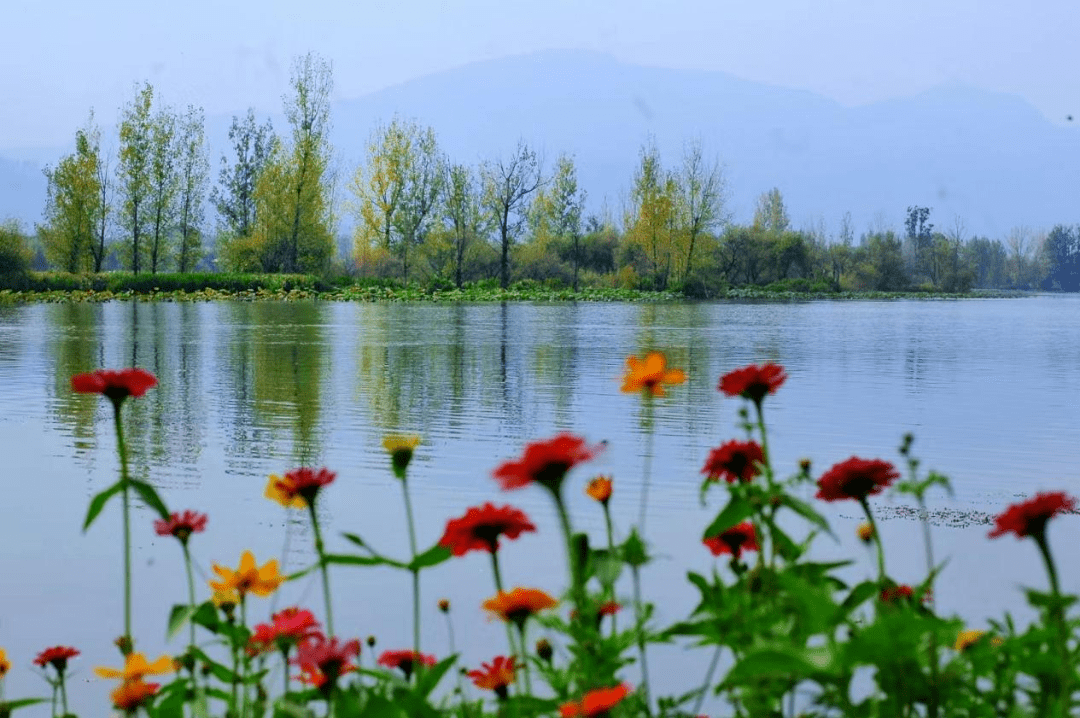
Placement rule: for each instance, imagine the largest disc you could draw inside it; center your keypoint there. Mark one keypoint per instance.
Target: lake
(990, 388)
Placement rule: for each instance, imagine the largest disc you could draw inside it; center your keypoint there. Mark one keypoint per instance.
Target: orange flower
(5, 664)
(247, 578)
(494, 676)
(600, 489)
(519, 604)
(865, 532)
(596, 703)
(136, 668)
(650, 375)
(130, 695)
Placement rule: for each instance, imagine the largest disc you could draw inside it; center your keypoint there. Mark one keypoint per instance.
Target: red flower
(303, 482)
(734, 461)
(596, 703)
(1029, 518)
(546, 462)
(181, 525)
(735, 540)
(323, 660)
(494, 676)
(405, 660)
(893, 594)
(608, 608)
(856, 479)
(753, 382)
(288, 627)
(116, 384)
(479, 529)
(57, 656)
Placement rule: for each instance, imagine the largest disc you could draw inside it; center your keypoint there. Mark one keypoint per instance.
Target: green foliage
(14, 253)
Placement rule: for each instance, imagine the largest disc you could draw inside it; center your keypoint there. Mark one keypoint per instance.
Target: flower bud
(865, 532)
(444, 605)
(543, 649)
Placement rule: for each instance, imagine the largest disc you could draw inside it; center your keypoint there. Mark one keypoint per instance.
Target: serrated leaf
(150, 496)
(98, 503)
(432, 557)
(736, 511)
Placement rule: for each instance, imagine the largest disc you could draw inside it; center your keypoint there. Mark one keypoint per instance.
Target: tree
(507, 183)
(920, 236)
(463, 215)
(557, 212)
(134, 170)
(1063, 256)
(234, 195)
(73, 204)
(14, 250)
(703, 191)
(105, 187)
(771, 214)
(651, 219)
(163, 186)
(193, 172)
(292, 218)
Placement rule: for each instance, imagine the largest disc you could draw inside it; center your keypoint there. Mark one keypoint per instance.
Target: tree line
(419, 216)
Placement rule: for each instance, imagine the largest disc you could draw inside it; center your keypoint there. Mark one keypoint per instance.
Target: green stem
(647, 420)
(525, 660)
(415, 572)
(611, 552)
(1057, 615)
(63, 695)
(769, 476)
(924, 518)
(323, 568)
(877, 539)
(191, 598)
(635, 573)
(708, 679)
(576, 589)
(285, 663)
(499, 590)
(125, 480)
(244, 658)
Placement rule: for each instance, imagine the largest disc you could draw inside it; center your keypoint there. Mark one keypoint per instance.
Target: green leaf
(781, 662)
(180, 614)
(432, 557)
(206, 616)
(634, 550)
(807, 512)
(350, 560)
(605, 565)
(355, 539)
(428, 678)
(737, 510)
(98, 503)
(150, 497)
(222, 673)
(784, 545)
(22, 703)
(379, 707)
(859, 594)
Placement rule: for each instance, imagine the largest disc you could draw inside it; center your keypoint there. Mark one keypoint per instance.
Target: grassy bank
(62, 287)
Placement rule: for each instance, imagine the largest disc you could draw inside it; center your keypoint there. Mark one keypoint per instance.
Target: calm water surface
(990, 388)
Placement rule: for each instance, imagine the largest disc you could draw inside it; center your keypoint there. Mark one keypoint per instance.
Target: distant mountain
(990, 158)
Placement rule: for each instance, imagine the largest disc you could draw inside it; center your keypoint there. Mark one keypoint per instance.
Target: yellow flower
(650, 375)
(600, 489)
(5, 664)
(129, 695)
(223, 599)
(865, 532)
(136, 668)
(400, 447)
(247, 578)
(275, 493)
(967, 639)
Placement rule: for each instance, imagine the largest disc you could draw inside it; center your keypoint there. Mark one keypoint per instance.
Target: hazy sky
(59, 59)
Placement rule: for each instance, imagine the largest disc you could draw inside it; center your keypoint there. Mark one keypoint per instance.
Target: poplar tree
(73, 204)
(134, 172)
(193, 171)
(508, 182)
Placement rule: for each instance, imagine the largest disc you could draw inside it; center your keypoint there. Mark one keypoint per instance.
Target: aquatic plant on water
(780, 634)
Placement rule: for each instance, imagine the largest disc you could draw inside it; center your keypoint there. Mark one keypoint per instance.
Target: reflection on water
(246, 389)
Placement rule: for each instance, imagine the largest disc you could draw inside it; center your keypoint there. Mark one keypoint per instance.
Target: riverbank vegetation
(779, 632)
(283, 204)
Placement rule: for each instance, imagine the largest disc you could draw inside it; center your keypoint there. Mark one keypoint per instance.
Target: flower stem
(611, 552)
(646, 479)
(191, 598)
(1057, 615)
(525, 660)
(635, 572)
(63, 695)
(499, 590)
(415, 572)
(576, 589)
(125, 481)
(323, 568)
(708, 679)
(877, 539)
